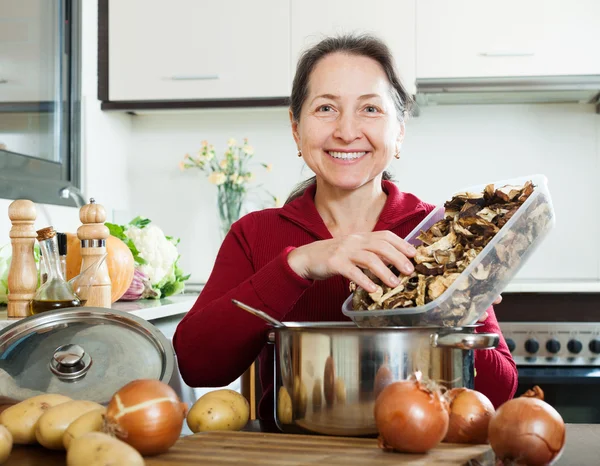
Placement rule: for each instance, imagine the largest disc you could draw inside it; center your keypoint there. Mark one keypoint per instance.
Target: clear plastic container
(468, 297)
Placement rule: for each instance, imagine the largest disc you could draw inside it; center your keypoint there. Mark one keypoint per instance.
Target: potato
(53, 423)
(219, 410)
(6, 443)
(99, 449)
(21, 419)
(91, 421)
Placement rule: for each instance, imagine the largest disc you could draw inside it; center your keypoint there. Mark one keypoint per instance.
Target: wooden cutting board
(253, 448)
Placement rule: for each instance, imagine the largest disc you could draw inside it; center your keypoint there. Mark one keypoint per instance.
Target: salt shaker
(22, 274)
(93, 234)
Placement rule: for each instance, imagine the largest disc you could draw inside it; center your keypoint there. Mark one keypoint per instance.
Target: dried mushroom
(449, 246)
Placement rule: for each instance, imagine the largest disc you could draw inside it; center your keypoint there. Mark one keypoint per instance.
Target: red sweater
(216, 341)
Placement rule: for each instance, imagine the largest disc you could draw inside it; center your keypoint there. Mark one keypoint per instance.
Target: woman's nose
(347, 128)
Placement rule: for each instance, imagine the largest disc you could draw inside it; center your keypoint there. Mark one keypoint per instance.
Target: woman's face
(349, 129)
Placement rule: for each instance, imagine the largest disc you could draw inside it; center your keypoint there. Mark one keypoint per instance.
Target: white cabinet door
(393, 21)
(198, 49)
(483, 38)
(29, 51)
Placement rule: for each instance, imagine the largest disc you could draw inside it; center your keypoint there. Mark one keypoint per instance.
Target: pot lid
(85, 353)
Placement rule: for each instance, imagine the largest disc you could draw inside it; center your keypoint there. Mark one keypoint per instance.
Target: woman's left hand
(498, 300)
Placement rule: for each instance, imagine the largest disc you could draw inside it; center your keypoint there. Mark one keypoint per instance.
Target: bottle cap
(45, 233)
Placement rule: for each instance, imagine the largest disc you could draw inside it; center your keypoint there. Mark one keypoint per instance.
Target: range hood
(508, 90)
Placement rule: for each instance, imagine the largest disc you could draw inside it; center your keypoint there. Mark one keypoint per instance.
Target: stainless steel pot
(327, 375)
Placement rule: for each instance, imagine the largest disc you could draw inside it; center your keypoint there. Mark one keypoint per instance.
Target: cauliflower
(154, 253)
(159, 253)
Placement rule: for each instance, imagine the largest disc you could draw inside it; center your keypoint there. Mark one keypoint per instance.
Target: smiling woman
(347, 114)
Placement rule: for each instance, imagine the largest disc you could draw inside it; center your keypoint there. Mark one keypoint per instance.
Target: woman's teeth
(346, 155)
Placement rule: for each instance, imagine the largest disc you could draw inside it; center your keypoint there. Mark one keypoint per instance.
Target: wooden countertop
(581, 449)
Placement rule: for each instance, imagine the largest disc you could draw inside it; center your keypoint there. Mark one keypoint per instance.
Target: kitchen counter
(581, 448)
(148, 309)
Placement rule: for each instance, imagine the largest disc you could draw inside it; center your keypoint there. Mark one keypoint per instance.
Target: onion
(470, 415)
(535, 392)
(410, 417)
(528, 431)
(146, 414)
(140, 288)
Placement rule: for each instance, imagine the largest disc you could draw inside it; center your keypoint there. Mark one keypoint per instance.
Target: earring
(397, 155)
(299, 153)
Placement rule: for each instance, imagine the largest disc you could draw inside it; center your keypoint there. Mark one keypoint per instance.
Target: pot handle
(465, 341)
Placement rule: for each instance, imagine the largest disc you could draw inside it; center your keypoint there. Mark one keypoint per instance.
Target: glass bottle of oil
(55, 293)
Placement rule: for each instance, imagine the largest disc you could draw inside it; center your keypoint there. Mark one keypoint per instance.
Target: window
(39, 99)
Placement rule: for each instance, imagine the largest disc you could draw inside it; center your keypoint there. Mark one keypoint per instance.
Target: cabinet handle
(506, 54)
(192, 77)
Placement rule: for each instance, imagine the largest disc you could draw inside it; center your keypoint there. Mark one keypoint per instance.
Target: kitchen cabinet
(391, 20)
(474, 38)
(197, 49)
(29, 47)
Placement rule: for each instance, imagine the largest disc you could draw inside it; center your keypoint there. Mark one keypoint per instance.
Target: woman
(295, 263)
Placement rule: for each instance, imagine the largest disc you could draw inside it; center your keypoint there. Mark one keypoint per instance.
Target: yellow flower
(181, 166)
(210, 156)
(204, 143)
(223, 163)
(268, 167)
(248, 150)
(231, 142)
(240, 180)
(250, 176)
(217, 178)
(235, 157)
(233, 178)
(187, 156)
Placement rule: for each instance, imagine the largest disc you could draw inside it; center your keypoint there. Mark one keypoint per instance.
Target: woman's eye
(324, 108)
(371, 109)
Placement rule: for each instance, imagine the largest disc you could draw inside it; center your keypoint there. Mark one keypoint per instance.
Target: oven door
(573, 391)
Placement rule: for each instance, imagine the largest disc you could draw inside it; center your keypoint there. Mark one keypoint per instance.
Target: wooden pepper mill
(93, 234)
(22, 274)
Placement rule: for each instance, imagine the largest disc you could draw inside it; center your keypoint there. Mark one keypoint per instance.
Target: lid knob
(68, 355)
(70, 362)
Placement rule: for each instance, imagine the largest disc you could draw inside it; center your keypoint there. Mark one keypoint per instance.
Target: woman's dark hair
(359, 45)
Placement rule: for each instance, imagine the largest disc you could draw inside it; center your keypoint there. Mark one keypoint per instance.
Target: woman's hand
(348, 254)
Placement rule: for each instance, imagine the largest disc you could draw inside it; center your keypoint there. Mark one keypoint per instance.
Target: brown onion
(535, 392)
(410, 417)
(527, 431)
(146, 414)
(470, 414)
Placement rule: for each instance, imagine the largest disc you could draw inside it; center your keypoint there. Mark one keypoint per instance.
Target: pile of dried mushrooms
(450, 245)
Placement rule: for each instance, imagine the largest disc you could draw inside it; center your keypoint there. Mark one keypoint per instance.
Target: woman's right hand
(348, 254)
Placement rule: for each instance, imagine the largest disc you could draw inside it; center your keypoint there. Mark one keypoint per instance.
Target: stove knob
(532, 346)
(574, 346)
(511, 344)
(553, 346)
(595, 346)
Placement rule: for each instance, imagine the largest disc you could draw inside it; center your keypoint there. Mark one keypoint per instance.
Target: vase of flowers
(231, 174)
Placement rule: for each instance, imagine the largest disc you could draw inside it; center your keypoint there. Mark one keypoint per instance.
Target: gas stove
(553, 343)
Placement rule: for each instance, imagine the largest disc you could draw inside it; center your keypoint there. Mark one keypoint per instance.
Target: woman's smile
(346, 157)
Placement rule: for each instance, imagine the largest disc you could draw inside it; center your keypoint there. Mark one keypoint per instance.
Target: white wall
(105, 146)
(446, 148)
